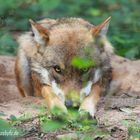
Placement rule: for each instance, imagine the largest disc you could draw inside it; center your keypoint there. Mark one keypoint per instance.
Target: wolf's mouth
(70, 103)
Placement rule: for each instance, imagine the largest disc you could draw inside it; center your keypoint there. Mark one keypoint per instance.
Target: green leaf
(132, 53)
(13, 118)
(51, 125)
(135, 136)
(82, 63)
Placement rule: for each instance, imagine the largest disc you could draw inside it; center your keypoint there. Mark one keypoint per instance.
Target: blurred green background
(124, 31)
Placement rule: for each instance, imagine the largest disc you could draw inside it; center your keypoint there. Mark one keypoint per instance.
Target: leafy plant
(82, 63)
(133, 128)
(7, 132)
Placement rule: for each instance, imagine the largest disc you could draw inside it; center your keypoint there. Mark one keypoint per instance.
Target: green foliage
(51, 125)
(7, 132)
(73, 122)
(133, 128)
(7, 44)
(13, 118)
(123, 32)
(60, 112)
(82, 63)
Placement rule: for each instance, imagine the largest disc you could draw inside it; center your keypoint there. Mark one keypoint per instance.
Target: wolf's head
(70, 56)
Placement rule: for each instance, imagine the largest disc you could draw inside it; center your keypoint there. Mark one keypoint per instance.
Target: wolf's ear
(40, 33)
(102, 28)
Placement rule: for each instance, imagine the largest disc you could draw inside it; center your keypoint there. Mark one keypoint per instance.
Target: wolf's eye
(57, 69)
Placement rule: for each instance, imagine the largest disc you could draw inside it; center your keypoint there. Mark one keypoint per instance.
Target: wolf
(66, 61)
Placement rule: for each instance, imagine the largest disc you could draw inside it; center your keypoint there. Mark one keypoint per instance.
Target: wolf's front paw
(57, 108)
(87, 110)
(84, 114)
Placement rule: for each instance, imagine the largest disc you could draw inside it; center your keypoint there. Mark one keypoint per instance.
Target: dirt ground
(117, 107)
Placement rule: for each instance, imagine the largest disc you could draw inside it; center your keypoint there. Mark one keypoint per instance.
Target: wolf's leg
(23, 77)
(53, 101)
(90, 102)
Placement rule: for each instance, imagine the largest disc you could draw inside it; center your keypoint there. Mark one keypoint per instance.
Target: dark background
(124, 31)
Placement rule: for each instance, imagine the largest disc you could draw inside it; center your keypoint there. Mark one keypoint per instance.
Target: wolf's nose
(68, 103)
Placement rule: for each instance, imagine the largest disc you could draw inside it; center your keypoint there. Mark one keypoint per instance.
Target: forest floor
(29, 119)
